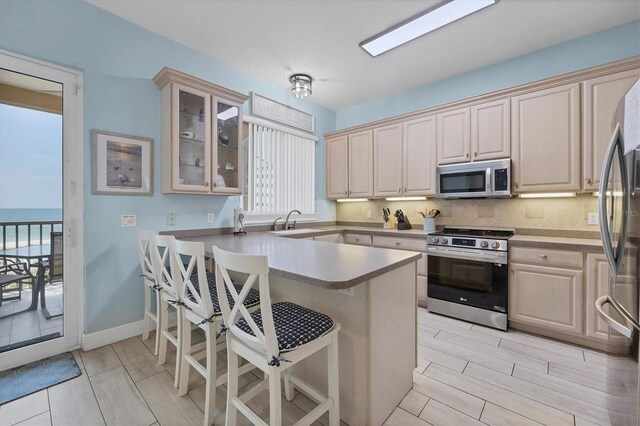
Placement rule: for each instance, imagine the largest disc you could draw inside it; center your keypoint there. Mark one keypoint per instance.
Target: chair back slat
(257, 268)
(144, 256)
(196, 298)
(160, 247)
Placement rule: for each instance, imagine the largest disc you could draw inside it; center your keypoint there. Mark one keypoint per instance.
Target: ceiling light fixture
(301, 85)
(424, 22)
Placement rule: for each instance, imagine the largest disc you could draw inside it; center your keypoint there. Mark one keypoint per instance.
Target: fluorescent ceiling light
(350, 200)
(227, 114)
(406, 198)
(429, 20)
(548, 195)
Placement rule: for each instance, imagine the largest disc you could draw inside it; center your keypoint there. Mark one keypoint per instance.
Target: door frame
(73, 207)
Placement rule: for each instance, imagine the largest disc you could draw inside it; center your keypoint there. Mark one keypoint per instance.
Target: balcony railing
(20, 234)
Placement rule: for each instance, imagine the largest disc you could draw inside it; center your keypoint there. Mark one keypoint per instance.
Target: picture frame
(121, 164)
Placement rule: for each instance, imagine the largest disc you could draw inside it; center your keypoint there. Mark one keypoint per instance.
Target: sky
(30, 158)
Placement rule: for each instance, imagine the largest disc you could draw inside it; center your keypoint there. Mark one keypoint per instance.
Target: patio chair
(11, 273)
(55, 263)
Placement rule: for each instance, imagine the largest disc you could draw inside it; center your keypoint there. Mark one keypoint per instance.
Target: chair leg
(185, 367)
(147, 308)
(162, 343)
(210, 384)
(289, 389)
(275, 398)
(232, 385)
(179, 331)
(159, 314)
(334, 381)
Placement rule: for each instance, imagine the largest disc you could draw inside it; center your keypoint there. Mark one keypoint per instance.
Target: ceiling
(272, 39)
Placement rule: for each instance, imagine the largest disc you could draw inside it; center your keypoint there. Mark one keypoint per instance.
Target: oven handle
(498, 258)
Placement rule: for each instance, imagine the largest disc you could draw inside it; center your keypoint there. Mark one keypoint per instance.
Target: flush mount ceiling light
(301, 85)
(424, 22)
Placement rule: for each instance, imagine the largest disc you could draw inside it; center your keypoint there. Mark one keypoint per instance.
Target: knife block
(404, 225)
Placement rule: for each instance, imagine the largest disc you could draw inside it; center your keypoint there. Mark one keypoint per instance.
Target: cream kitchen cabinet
(599, 101)
(598, 285)
(405, 158)
(419, 151)
(201, 135)
(337, 167)
(545, 140)
(491, 130)
(387, 158)
(350, 166)
(454, 136)
(547, 297)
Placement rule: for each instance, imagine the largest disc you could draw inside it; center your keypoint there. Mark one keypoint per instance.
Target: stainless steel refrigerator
(619, 209)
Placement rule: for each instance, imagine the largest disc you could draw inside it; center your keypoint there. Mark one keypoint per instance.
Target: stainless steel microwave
(481, 179)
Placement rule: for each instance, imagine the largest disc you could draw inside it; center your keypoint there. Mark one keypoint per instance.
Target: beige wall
(549, 213)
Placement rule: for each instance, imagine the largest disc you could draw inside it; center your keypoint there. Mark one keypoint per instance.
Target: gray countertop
(589, 244)
(324, 264)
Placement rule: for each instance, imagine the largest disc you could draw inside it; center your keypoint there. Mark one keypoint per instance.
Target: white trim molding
(279, 127)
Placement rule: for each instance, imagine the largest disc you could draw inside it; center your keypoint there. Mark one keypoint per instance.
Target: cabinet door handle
(475, 154)
(397, 243)
(399, 190)
(515, 184)
(543, 256)
(588, 181)
(345, 192)
(206, 184)
(467, 155)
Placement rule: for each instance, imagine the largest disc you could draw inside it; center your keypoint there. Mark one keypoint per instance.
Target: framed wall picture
(121, 164)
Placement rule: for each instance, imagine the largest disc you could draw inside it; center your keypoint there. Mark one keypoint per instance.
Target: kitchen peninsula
(376, 309)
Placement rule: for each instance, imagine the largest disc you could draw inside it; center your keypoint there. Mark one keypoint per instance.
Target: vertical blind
(281, 172)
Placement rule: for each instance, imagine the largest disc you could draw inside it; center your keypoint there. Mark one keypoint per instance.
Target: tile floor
(466, 375)
(28, 325)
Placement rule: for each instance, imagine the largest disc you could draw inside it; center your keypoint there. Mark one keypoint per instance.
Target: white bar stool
(273, 338)
(160, 247)
(150, 290)
(201, 308)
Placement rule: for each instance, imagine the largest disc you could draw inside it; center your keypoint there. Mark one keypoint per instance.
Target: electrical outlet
(592, 218)
(351, 291)
(210, 217)
(171, 219)
(127, 220)
(369, 214)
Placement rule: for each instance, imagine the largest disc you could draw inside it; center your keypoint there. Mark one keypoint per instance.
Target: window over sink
(279, 173)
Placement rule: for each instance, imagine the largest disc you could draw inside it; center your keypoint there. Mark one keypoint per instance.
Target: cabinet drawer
(331, 238)
(546, 257)
(359, 239)
(422, 265)
(422, 288)
(417, 244)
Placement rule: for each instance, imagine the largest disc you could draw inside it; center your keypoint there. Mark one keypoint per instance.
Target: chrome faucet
(274, 224)
(286, 221)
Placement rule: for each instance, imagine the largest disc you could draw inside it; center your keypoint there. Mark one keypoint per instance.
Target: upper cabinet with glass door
(201, 141)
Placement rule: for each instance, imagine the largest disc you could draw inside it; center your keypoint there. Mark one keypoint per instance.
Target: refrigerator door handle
(625, 330)
(613, 259)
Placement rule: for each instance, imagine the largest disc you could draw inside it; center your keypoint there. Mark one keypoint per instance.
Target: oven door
(476, 278)
(464, 183)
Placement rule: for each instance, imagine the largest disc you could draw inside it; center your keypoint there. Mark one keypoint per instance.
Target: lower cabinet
(331, 238)
(547, 297)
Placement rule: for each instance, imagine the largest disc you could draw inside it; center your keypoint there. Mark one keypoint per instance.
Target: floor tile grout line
(49, 402)
(591, 387)
(95, 397)
(28, 418)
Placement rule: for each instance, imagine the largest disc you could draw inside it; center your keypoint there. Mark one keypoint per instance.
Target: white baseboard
(112, 335)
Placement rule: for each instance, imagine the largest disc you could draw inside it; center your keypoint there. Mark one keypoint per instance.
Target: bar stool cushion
(295, 325)
(252, 299)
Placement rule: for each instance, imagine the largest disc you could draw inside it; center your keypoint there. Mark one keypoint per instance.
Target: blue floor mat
(30, 378)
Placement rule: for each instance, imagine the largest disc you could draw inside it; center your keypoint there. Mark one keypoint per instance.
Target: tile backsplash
(541, 213)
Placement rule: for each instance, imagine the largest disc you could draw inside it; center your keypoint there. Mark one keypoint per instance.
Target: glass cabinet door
(227, 143)
(192, 159)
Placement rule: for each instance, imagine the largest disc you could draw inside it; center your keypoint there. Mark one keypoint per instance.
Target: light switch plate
(592, 218)
(210, 217)
(171, 219)
(368, 214)
(127, 220)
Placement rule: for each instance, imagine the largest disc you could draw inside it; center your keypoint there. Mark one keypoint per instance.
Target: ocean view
(8, 233)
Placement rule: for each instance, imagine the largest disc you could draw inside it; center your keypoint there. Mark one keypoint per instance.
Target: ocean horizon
(8, 233)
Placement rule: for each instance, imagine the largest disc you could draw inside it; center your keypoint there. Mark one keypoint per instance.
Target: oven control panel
(466, 242)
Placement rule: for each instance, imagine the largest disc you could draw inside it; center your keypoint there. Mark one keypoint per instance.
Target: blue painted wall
(594, 49)
(119, 61)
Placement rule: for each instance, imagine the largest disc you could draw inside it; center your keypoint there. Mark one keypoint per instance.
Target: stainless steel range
(469, 275)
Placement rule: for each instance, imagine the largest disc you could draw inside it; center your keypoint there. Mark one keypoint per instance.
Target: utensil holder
(429, 224)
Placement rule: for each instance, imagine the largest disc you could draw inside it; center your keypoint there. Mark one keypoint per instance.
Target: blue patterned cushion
(295, 325)
(252, 299)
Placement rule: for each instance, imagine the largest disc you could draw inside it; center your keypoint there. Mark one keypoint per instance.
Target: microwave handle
(489, 187)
